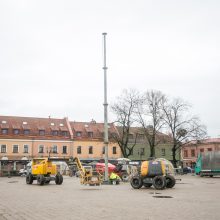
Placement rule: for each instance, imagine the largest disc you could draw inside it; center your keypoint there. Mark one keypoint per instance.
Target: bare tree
(150, 117)
(182, 127)
(124, 110)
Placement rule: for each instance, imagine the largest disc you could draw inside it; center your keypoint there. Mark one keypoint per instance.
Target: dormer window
(90, 134)
(78, 133)
(55, 133)
(4, 131)
(16, 131)
(41, 132)
(26, 132)
(64, 133)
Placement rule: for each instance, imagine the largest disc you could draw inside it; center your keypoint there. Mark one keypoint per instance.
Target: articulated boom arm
(79, 166)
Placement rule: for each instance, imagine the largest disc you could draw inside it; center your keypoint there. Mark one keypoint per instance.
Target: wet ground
(192, 198)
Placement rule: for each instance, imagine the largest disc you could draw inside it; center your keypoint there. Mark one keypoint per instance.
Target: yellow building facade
(24, 138)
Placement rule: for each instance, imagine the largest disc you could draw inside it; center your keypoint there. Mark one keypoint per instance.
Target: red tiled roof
(52, 124)
(34, 125)
(96, 128)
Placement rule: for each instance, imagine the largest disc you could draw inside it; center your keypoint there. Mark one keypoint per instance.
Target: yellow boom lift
(44, 171)
(87, 174)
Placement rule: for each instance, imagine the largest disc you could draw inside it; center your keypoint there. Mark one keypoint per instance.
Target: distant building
(190, 152)
(24, 138)
(141, 150)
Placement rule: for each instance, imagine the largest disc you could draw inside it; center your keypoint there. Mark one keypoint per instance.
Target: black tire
(136, 182)
(210, 175)
(40, 180)
(58, 179)
(29, 179)
(147, 185)
(159, 182)
(170, 181)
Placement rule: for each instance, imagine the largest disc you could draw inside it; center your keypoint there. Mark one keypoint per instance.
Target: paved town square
(192, 198)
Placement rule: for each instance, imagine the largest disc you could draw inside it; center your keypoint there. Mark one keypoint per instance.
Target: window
(78, 133)
(185, 153)
(26, 131)
(41, 149)
(64, 133)
(103, 150)
(54, 149)
(114, 150)
(79, 150)
(192, 153)
(90, 150)
(130, 136)
(16, 131)
(201, 150)
(90, 134)
(3, 148)
(15, 148)
(25, 148)
(42, 132)
(64, 149)
(4, 131)
(209, 149)
(141, 151)
(141, 136)
(163, 152)
(54, 133)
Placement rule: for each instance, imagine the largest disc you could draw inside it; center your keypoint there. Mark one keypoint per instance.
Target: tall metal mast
(105, 110)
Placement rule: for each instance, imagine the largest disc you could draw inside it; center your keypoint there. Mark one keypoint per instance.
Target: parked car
(22, 172)
(187, 170)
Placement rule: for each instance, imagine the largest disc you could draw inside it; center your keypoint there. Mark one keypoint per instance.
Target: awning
(26, 127)
(54, 128)
(6, 126)
(16, 126)
(40, 127)
(63, 129)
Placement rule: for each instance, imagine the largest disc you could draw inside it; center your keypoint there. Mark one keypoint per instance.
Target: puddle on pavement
(183, 183)
(163, 197)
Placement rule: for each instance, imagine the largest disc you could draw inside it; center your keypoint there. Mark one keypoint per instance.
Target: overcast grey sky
(51, 55)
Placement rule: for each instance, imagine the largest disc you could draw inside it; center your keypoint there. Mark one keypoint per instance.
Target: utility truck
(208, 164)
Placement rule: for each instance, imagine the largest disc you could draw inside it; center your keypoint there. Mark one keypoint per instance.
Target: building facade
(190, 152)
(141, 150)
(24, 138)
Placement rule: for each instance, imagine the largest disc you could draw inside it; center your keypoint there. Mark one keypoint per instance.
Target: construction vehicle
(156, 172)
(44, 171)
(87, 174)
(208, 164)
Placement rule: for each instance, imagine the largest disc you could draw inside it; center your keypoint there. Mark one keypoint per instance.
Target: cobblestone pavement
(192, 198)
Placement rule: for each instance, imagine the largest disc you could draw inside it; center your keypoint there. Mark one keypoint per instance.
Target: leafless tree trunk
(124, 110)
(150, 117)
(182, 127)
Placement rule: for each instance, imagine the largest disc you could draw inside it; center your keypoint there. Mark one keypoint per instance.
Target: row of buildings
(24, 138)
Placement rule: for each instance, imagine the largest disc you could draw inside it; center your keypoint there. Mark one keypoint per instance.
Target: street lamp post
(105, 110)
